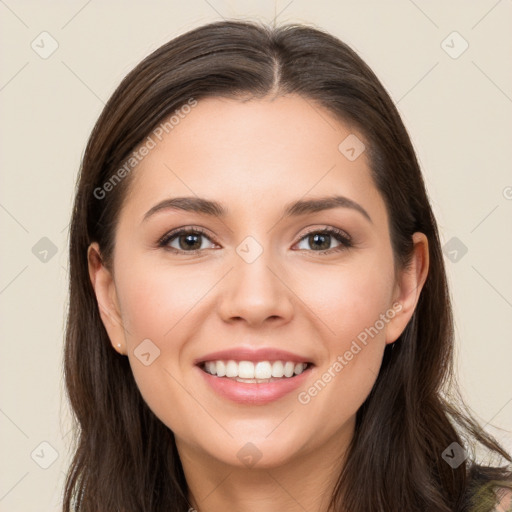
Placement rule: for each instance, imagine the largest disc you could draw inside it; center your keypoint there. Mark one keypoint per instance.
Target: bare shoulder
(504, 503)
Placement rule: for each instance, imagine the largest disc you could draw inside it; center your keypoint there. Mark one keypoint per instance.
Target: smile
(254, 382)
(254, 371)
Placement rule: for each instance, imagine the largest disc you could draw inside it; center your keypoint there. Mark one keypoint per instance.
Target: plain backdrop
(445, 64)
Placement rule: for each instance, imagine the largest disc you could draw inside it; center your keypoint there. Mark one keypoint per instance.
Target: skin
(254, 157)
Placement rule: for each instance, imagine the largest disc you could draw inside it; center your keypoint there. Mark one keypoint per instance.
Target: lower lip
(254, 393)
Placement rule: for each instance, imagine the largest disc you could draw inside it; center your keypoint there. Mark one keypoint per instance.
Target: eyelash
(340, 236)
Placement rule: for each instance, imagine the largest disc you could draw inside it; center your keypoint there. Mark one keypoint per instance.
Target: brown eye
(190, 241)
(322, 240)
(185, 240)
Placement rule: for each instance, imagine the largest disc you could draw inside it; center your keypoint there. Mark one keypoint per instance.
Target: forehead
(248, 153)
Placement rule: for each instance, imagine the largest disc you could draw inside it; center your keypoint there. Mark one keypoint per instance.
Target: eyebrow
(296, 208)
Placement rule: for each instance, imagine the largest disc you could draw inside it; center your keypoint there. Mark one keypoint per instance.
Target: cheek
(349, 299)
(354, 306)
(154, 300)
(156, 306)
(159, 309)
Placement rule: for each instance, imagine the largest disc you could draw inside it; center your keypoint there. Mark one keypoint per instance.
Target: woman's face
(263, 276)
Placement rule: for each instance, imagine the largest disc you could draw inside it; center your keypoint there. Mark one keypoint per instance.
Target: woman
(259, 315)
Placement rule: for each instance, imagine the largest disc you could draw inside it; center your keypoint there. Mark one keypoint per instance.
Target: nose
(255, 293)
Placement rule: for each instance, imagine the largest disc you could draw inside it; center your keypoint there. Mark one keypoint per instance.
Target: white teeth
(262, 370)
(231, 368)
(289, 367)
(220, 369)
(277, 369)
(245, 370)
(249, 370)
(299, 368)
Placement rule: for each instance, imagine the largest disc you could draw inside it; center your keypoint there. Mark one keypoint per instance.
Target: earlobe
(408, 287)
(105, 291)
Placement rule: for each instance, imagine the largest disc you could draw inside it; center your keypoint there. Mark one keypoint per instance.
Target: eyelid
(166, 238)
(344, 239)
(327, 229)
(340, 235)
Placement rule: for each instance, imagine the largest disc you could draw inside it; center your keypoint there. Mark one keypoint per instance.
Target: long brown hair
(125, 458)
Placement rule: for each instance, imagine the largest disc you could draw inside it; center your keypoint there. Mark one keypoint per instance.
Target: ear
(105, 291)
(408, 287)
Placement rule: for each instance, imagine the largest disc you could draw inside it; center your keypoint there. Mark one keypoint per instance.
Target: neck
(304, 482)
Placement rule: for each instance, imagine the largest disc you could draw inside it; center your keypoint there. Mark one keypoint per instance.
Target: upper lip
(254, 355)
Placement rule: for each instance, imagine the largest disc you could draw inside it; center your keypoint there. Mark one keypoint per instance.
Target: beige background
(457, 110)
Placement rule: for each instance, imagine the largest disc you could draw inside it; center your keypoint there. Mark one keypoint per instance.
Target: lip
(254, 355)
(254, 393)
